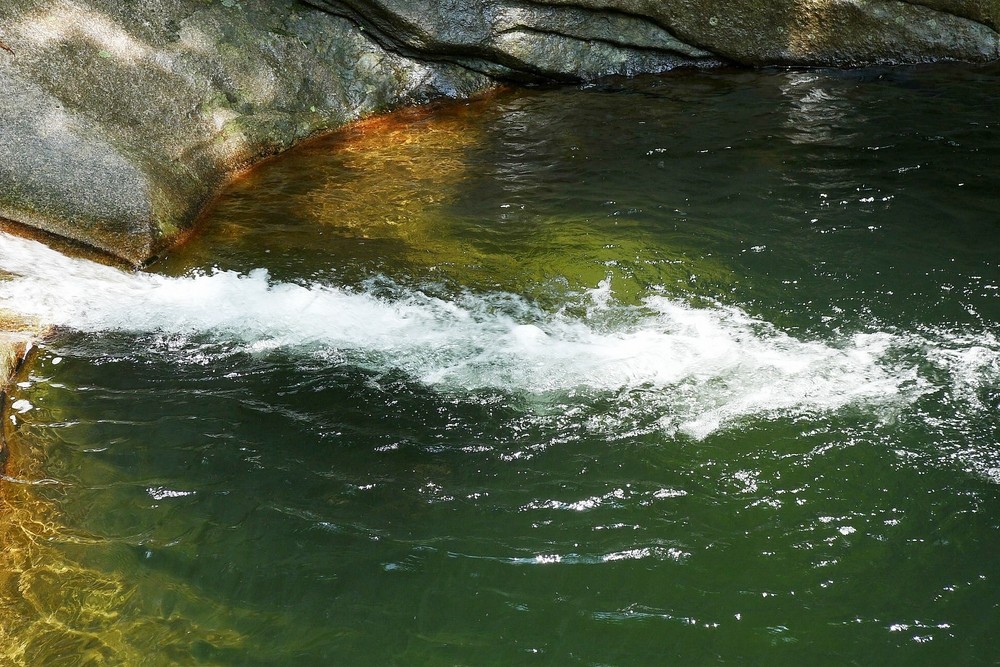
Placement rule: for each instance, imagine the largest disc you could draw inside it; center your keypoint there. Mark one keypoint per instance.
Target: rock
(16, 339)
(834, 32)
(13, 349)
(523, 38)
(121, 120)
(523, 41)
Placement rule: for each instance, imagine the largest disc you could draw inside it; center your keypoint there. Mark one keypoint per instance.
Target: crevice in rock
(618, 45)
(468, 59)
(619, 12)
(401, 37)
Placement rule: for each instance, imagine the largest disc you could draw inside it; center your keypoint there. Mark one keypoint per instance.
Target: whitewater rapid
(699, 368)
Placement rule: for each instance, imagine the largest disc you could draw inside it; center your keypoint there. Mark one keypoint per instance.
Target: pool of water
(696, 369)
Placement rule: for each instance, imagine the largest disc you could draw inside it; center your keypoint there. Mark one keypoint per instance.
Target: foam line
(699, 367)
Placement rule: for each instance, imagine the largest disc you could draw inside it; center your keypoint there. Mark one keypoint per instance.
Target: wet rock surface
(12, 351)
(14, 348)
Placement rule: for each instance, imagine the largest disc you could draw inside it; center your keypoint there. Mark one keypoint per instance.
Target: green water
(700, 369)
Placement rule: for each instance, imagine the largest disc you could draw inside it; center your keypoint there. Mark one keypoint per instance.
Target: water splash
(695, 368)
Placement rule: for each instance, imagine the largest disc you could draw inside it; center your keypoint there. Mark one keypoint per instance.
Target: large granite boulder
(580, 39)
(119, 120)
(524, 40)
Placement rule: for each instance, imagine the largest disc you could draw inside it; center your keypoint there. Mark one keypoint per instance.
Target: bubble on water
(693, 369)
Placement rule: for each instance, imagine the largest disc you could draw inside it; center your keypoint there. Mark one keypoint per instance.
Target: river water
(696, 369)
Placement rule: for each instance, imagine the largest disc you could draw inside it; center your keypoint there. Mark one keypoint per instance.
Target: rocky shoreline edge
(15, 350)
(122, 121)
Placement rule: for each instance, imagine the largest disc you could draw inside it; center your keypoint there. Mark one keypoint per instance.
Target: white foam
(696, 369)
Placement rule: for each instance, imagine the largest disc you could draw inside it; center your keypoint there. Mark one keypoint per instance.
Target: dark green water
(701, 369)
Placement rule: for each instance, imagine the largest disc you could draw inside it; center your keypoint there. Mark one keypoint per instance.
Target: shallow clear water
(698, 369)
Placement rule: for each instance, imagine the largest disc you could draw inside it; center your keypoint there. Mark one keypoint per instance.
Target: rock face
(16, 340)
(119, 120)
(13, 348)
(580, 39)
(524, 40)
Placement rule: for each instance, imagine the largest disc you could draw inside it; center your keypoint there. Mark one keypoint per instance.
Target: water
(697, 369)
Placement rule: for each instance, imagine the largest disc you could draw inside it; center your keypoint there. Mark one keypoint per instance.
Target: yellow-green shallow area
(697, 369)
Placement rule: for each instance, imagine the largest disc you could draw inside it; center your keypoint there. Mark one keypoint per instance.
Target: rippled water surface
(699, 369)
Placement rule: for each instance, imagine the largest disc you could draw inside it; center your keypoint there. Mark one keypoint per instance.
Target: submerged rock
(120, 120)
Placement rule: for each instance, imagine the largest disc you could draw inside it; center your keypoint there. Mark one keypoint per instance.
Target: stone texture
(16, 338)
(121, 119)
(13, 349)
(671, 32)
(523, 41)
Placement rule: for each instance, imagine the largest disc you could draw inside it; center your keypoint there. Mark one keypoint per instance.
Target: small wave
(695, 368)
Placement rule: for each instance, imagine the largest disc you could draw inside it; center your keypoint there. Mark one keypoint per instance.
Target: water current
(696, 369)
